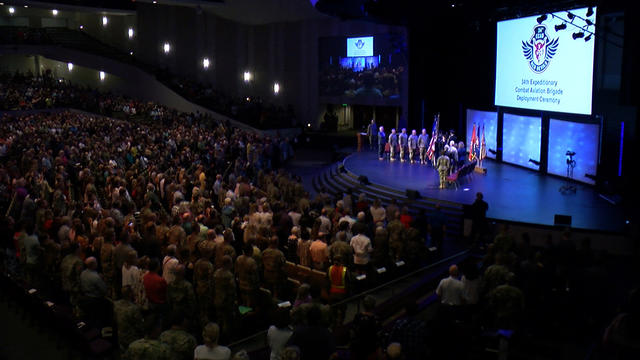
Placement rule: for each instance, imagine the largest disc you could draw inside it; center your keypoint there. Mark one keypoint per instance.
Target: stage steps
(338, 181)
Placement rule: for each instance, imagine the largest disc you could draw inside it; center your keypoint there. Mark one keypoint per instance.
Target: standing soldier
(413, 145)
(70, 269)
(149, 347)
(423, 143)
(247, 275)
(128, 317)
(225, 295)
(273, 261)
(382, 140)
(180, 295)
(443, 165)
(403, 140)
(178, 339)
(393, 144)
(203, 282)
(371, 133)
(397, 233)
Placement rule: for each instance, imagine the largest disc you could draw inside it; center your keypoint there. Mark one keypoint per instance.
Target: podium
(361, 136)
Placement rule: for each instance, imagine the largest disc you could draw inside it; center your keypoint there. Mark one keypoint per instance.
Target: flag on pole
(483, 146)
(472, 144)
(434, 134)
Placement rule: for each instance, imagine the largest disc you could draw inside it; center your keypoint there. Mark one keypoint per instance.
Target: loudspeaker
(412, 194)
(363, 180)
(562, 220)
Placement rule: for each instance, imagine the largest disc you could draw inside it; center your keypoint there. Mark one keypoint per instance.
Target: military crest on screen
(539, 49)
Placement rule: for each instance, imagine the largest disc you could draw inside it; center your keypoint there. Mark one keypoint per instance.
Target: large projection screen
(583, 139)
(541, 68)
(521, 140)
(488, 119)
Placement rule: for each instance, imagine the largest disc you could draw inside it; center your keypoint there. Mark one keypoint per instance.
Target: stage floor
(513, 193)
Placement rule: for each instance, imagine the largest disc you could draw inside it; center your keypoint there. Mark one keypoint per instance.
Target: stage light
(570, 16)
(587, 38)
(541, 18)
(26, 6)
(130, 52)
(276, 88)
(70, 66)
(589, 22)
(11, 10)
(54, 12)
(577, 35)
(130, 33)
(247, 76)
(248, 99)
(205, 63)
(81, 27)
(590, 11)
(166, 47)
(102, 75)
(561, 27)
(105, 21)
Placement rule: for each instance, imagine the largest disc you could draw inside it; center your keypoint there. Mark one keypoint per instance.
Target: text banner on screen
(573, 137)
(360, 46)
(541, 68)
(521, 140)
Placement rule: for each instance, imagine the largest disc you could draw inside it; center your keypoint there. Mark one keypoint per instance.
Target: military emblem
(359, 44)
(540, 49)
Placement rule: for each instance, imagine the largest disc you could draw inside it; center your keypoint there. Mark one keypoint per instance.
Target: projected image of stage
(513, 193)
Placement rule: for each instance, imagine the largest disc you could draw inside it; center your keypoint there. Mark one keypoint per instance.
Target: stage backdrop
(521, 140)
(488, 119)
(583, 139)
(541, 68)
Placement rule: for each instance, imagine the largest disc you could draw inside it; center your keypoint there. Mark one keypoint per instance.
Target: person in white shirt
(325, 226)
(169, 263)
(211, 350)
(362, 249)
(451, 290)
(279, 334)
(347, 217)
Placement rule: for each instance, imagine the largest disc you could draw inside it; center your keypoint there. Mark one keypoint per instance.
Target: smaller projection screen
(360, 46)
(583, 139)
(488, 119)
(521, 140)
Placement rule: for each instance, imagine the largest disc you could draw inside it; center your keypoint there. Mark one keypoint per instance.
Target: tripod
(569, 186)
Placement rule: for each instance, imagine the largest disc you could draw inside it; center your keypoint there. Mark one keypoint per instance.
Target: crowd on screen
(180, 232)
(377, 83)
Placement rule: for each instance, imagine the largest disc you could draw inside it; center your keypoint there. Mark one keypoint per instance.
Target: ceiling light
(577, 35)
(70, 66)
(105, 21)
(11, 10)
(205, 63)
(54, 12)
(102, 75)
(247, 76)
(130, 33)
(276, 88)
(166, 47)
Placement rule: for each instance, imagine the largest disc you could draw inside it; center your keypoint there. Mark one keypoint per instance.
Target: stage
(513, 193)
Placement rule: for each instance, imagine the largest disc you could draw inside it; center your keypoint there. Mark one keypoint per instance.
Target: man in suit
(371, 133)
(382, 140)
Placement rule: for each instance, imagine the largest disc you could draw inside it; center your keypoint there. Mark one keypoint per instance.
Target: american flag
(434, 134)
(483, 146)
(473, 143)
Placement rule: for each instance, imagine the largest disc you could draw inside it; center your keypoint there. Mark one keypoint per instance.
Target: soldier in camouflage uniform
(225, 249)
(203, 284)
(246, 270)
(106, 262)
(70, 269)
(225, 295)
(180, 295)
(179, 341)
(396, 237)
(149, 347)
(341, 249)
(209, 244)
(128, 317)
(273, 261)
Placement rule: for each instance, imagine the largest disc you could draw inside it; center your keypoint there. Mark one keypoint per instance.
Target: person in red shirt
(155, 286)
(405, 218)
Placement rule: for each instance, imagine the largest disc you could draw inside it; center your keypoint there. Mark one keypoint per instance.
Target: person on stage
(403, 140)
(393, 144)
(443, 164)
(453, 155)
(423, 143)
(439, 147)
(382, 140)
(413, 145)
(371, 133)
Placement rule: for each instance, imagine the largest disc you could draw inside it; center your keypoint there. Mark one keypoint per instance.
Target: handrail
(364, 293)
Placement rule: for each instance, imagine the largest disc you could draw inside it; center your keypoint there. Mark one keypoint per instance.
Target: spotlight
(570, 16)
(12, 10)
(590, 11)
(541, 18)
(130, 33)
(105, 21)
(561, 27)
(54, 12)
(70, 66)
(102, 75)
(276, 88)
(247, 76)
(589, 22)
(205, 63)
(577, 35)
(587, 38)
(81, 27)
(166, 47)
